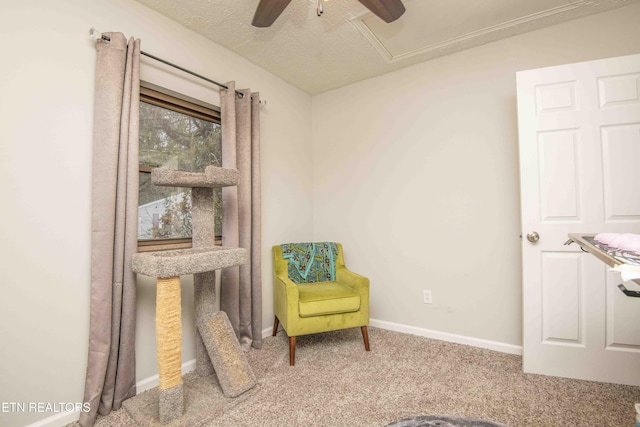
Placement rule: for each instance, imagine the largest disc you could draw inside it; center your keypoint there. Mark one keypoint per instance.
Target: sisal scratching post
(169, 347)
(229, 361)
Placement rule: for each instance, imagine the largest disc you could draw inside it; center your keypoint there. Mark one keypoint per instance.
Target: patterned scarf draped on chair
(311, 262)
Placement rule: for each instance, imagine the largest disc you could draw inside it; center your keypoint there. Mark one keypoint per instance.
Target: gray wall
(416, 173)
(46, 105)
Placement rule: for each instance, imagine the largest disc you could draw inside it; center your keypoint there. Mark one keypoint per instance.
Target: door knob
(533, 237)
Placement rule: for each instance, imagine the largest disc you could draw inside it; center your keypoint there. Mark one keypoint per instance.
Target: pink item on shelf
(605, 238)
(616, 241)
(630, 242)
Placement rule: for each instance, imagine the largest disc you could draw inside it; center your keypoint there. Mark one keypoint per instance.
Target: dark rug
(443, 421)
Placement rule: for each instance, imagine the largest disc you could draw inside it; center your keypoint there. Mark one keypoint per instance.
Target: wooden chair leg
(292, 351)
(275, 326)
(365, 336)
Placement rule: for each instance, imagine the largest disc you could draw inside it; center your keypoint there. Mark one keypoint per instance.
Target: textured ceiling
(347, 43)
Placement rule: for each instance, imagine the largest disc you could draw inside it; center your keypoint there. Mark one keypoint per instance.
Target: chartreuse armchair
(314, 292)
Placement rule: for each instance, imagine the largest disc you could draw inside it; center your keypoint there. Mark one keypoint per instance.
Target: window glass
(172, 135)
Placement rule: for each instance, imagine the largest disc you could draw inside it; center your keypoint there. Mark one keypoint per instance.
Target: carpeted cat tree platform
(217, 347)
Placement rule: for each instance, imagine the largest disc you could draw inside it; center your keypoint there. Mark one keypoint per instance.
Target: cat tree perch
(217, 348)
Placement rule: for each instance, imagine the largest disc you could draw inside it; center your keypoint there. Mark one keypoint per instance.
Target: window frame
(164, 98)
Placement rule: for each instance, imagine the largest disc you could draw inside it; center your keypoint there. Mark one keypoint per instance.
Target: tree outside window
(187, 137)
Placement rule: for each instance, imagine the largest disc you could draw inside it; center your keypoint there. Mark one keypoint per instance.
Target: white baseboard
(64, 418)
(445, 336)
(437, 335)
(57, 420)
(153, 381)
(266, 332)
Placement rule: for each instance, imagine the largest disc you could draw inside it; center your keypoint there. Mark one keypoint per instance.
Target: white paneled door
(579, 133)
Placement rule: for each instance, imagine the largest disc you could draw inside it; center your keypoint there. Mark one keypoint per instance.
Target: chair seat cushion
(317, 299)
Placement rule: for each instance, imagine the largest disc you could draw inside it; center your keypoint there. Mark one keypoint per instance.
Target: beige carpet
(336, 383)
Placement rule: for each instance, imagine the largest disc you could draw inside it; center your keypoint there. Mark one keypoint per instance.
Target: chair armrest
(285, 301)
(353, 280)
(285, 286)
(359, 284)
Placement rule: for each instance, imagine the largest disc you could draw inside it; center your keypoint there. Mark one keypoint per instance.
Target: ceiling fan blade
(387, 10)
(268, 11)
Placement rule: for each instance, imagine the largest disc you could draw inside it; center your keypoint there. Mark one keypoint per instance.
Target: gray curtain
(111, 363)
(241, 287)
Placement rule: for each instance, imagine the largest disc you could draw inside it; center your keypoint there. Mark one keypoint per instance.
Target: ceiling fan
(269, 10)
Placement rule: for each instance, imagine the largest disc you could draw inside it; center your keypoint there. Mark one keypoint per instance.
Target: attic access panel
(433, 28)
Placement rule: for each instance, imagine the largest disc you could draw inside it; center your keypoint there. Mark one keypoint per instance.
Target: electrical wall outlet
(426, 295)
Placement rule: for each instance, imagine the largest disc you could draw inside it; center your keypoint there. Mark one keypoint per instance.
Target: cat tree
(217, 348)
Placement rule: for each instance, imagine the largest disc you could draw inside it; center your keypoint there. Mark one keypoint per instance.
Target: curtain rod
(95, 34)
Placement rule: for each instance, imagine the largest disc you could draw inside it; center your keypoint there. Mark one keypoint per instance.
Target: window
(185, 134)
